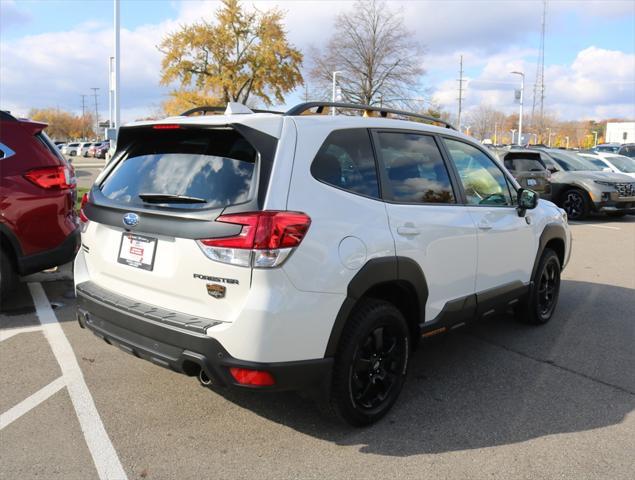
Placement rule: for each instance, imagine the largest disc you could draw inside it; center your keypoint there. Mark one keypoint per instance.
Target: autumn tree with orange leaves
(242, 56)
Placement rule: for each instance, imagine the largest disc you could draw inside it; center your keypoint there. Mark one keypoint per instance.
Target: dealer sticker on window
(137, 251)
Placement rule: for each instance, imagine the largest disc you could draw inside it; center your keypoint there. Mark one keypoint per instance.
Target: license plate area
(137, 251)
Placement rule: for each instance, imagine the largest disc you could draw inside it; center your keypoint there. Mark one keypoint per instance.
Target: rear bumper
(60, 255)
(182, 348)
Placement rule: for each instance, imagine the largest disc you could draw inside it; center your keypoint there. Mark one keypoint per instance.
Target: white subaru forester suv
(303, 251)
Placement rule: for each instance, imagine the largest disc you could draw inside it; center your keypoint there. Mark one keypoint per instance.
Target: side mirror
(552, 169)
(527, 200)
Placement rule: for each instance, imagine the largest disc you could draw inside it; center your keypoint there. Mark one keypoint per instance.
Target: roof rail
(303, 107)
(219, 110)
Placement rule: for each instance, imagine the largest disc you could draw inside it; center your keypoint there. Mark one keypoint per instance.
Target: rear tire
(8, 275)
(576, 203)
(370, 363)
(543, 295)
(616, 214)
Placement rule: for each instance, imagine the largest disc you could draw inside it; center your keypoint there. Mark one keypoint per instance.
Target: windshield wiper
(169, 198)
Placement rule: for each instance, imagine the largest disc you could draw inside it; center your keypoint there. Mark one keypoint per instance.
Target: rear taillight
(51, 178)
(265, 240)
(82, 216)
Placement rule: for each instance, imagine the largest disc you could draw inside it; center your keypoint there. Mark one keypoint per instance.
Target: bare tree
(485, 121)
(378, 58)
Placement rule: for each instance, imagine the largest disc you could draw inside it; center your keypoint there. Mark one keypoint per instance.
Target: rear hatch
(161, 194)
(529, 170)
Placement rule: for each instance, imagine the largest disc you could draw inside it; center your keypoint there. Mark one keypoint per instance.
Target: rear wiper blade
(169, 198)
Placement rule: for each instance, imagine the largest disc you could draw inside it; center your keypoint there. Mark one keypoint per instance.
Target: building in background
(620, 132)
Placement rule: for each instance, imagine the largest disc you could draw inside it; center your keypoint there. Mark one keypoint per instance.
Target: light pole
(549, 141)
(595, 141)
(513, 130)
(495, 133)
(567, 139)
(535, 135)
(116, 79)
(520, 118)
(334, 90)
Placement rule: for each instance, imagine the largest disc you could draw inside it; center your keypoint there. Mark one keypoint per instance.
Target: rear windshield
(199, 168)
(524, 162)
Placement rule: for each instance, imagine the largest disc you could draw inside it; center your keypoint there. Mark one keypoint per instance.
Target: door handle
(408, 231)
(484, 225)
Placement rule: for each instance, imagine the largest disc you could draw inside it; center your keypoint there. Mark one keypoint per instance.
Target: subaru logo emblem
(130, 219)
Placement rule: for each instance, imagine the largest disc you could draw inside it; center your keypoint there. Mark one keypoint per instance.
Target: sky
(52, 52)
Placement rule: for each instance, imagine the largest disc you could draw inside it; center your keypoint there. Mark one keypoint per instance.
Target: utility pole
(595, 142)
(116, 77)
(83, 115)
(95, 89)
(539, 85)
(460, 80)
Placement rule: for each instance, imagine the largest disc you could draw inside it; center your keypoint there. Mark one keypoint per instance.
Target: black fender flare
(552, 231)
(376, 272)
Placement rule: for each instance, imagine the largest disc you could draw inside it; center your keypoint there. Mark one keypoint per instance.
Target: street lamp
(520, 118)
(595, 142)
(535, 135)
(334, 90)
(513, 130)
(549, 141)
(567, 139)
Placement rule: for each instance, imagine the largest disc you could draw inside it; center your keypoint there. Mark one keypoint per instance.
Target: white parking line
(595, 226)
(10, 332)
(31, 402)
(104, 455)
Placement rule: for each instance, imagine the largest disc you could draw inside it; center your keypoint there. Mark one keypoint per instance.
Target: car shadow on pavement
(496, 382)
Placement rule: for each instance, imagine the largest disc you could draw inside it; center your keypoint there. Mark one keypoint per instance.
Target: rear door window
(184, 168)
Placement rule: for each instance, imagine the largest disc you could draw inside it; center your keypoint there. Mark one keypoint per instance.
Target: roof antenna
(235, 108)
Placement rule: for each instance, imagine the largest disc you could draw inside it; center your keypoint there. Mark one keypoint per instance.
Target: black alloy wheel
(575, 204)
(542, 299)
(370, 364)
(377, 365)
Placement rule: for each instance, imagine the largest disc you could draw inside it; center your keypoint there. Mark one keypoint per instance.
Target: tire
(543, 296)
(370, 363)
(8, 275)
(576, 203)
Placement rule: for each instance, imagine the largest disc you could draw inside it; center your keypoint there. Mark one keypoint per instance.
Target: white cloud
(599, 83)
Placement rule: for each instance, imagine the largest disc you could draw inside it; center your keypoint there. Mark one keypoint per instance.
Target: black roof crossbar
(303, 107)
(210, 109)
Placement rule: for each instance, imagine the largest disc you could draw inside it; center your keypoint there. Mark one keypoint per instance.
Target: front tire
(370, 364)
(544, 293)
(576, 203)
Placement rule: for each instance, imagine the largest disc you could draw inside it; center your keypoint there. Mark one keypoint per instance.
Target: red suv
(38, 222)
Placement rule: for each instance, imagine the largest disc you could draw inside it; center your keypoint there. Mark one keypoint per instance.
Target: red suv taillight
(265, 240)
(51, 178)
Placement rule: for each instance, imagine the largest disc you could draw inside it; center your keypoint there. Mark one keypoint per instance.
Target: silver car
(581, 187)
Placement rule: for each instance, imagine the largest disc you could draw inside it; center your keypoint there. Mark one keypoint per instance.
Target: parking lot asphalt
(496, 400)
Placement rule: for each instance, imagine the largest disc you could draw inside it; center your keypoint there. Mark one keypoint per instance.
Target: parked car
(102, 150)
(70, 149)
(580, 187)
(93, 148)
(38, 225)
(529, 170)
(628, 150)
(607, 147)
(60, 146)
(613, 162)
(82, 150)
(307, 252)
